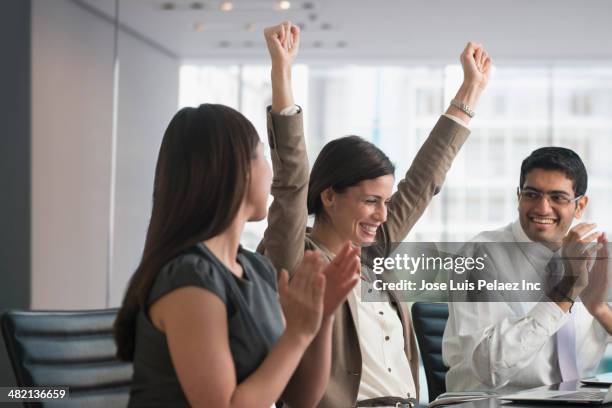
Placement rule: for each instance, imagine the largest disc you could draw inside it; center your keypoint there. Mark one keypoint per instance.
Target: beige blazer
(286, 237)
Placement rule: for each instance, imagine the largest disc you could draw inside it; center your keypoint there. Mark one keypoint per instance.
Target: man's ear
(328, 198)
(580, 206)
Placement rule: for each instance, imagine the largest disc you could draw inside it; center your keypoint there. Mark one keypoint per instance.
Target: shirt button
(389, 369)
(381, 313)
(387, 338)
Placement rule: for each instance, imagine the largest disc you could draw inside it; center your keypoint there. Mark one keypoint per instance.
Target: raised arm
(426, 175)
(283, 241)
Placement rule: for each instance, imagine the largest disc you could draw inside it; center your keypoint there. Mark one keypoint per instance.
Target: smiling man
(512, 345)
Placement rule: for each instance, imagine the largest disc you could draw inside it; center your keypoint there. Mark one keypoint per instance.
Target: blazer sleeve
(423, 180)
(283, 241)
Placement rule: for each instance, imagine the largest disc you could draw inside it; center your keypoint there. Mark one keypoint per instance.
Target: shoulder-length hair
(343, 163)
(201, 178)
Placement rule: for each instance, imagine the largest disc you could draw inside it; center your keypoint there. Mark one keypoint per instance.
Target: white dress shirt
(385, 370)
(511, 346)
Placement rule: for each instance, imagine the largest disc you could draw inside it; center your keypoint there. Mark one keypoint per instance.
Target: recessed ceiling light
(313, 17)
(341, 44)
(226, 6)
(326, 26)
(168, 6)
(198, 26)
(284, 5)
(197, 6)
(224, 44)
(308, 5)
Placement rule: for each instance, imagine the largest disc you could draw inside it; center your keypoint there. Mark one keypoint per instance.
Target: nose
(543, 205)
(381, 212)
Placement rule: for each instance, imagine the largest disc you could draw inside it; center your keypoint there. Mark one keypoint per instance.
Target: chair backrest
(74, 349)
(429, 320)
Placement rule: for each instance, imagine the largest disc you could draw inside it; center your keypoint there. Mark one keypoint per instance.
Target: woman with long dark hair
(374, 360)
(201, 318)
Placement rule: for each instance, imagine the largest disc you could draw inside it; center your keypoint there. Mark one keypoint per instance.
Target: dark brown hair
(557, 158)
(201, 178)
(343, 163)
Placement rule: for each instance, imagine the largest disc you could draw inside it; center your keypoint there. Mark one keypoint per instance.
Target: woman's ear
(328, 198)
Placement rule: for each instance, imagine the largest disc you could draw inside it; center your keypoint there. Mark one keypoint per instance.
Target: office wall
(14, 164)
(148, 97)
(72, 85)
(72, 122)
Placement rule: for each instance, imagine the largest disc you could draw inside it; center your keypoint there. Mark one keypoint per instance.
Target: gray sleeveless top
(253, 313)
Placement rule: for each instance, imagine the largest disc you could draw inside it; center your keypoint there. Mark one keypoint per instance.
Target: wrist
(469, 93)
(281, 71)
(598, 310)
(327, 321)
(298, 338)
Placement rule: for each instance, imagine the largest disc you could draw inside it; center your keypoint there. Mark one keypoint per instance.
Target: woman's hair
(344, 163)
(201, 178)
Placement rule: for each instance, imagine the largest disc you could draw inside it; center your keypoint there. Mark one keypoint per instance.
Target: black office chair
(429, 320)
(73, 349)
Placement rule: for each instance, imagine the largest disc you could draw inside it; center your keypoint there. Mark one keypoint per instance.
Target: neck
(325, 233)
(225, 245)
(553, 246)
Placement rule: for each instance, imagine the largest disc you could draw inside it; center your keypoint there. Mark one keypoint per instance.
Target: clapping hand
(578, 255)
(594, 296)
(341, 275)
(302, 298)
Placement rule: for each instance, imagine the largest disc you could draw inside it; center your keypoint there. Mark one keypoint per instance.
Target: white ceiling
(373, 31)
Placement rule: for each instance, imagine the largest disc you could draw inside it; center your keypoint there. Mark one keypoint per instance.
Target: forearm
(424, 178)
(503, 349)
(265, 386)
(309, 382)
(468, 94)
(603, 314)
(282, 93)
(283, 241)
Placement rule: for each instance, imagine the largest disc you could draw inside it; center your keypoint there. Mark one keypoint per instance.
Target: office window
(395, 107)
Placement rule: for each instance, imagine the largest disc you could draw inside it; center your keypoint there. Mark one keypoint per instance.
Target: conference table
(496, 402)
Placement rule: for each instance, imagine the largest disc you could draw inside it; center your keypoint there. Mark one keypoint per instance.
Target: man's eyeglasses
(554, 198)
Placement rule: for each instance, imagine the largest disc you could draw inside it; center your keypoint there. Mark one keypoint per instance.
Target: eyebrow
(549, 192)
(374, 196)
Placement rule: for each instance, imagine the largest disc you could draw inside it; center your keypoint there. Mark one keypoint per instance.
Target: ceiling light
(197, 6)
(168, 6)
(226, 6)
(198, 26)
(284, 5)
(326, 26)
